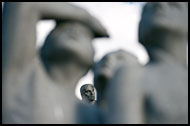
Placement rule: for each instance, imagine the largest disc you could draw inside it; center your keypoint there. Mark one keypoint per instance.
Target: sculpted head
(69, 42)
(108, 64)
(104, 70)
(163, 18)
(88, 93)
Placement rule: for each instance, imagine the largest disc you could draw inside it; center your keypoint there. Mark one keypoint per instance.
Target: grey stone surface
(163, 31)
(117, 91)
(87, 92)
(39, 87)
(104, 71)
(158, 91)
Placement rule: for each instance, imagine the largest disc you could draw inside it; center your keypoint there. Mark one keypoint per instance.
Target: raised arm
(19, 28)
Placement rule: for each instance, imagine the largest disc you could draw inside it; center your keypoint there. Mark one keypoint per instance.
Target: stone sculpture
(113, 94)
(158, 91)
(163, 30)
(39, 87)
(88, 93)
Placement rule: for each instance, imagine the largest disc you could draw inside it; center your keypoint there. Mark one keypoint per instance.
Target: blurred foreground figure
(88, 93)
(113, 94)
(39, 88)
(163, 30)
(104, 71)
(157, 92)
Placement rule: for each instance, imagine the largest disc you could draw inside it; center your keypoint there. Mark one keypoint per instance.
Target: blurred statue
(157, 92)
(39, 88)
(104, 71)
(113, 93)
(163, 30)
(88, 93)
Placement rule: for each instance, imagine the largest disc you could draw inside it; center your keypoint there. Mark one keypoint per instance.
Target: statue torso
(166, 88)
(33, 97)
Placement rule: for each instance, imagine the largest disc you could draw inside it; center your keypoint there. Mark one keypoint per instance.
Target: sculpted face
(108, 64)
(172, 15)
(70, 41)
(88, 92)
(168, 16)
(105, 69)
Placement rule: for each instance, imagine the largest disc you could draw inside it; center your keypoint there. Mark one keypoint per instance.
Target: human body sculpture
(112, 76)
(40, 88)
(104, 71)
(163, 31)
(157, 92)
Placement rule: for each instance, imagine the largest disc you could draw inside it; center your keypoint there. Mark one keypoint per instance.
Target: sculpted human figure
(88, 93)
(157, 92)
(104, 71)
(39, 87)
(163, 30)
(111, 98)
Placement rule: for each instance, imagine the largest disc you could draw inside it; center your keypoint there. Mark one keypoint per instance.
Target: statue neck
(87, 101)
(67, 74)
(174, 46)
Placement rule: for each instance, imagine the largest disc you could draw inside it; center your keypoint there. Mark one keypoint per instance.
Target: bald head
(88, 93)
(161, 19)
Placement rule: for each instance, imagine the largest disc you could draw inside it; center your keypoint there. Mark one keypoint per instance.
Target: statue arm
(19, 27)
